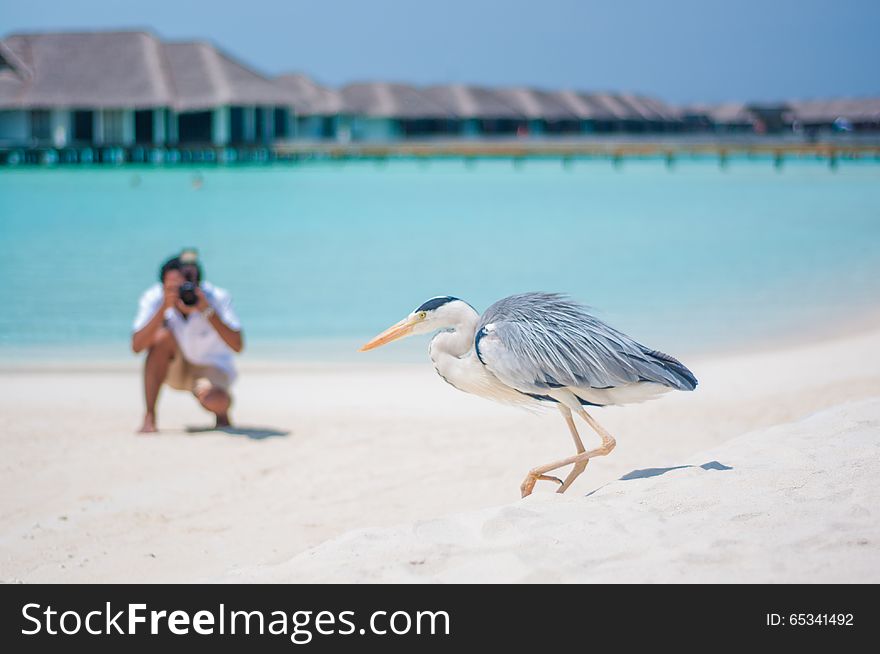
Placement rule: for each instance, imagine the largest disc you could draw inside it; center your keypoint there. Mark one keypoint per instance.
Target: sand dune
(324, 450)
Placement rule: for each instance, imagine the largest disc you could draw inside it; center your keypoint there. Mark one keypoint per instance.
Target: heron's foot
(532, 478)
(576, 471)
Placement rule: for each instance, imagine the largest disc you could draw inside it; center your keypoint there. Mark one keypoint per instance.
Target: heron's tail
(676, 368)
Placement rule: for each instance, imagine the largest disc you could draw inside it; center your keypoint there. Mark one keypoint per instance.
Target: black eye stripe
(436, 302)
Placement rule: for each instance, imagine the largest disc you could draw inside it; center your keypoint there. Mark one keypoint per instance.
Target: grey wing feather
(536, 341)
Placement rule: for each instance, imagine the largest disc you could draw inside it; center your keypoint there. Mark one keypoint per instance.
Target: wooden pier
(617, 151)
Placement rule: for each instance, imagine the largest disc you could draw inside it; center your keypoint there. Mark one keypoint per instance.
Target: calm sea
(321, 256)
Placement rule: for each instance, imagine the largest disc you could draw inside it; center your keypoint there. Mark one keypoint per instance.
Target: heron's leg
(608, 444)
(580, 459)
(580, 466)
(607, 439)
(569, 420)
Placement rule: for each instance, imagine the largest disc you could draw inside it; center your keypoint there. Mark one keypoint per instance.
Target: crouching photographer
(190, 332)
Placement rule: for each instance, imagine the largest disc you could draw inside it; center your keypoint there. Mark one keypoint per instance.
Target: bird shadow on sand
(656, 472)
(647, 473)
(254, 433)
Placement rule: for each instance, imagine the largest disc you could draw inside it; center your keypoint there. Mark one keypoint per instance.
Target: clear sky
(679, 50)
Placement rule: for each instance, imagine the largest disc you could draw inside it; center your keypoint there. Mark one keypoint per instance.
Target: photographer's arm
(142, 338)
(232, 337)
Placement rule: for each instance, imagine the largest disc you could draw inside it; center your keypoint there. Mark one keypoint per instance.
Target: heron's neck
(458, 338)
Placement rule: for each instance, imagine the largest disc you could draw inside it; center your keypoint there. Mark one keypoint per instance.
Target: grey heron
(541, 349)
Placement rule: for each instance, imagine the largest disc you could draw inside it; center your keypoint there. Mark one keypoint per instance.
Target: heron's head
(437, 313)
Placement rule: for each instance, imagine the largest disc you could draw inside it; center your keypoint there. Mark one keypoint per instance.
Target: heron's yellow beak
(396, 331)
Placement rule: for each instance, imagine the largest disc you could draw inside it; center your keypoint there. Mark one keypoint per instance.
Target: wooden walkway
(617, 150)
(573, 149)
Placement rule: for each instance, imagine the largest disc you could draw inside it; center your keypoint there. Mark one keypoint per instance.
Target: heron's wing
(536, 341)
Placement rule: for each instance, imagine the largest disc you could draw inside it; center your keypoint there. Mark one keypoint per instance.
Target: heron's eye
(422, 315)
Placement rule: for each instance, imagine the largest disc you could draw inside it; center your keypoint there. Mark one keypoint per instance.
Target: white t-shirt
(197, 339)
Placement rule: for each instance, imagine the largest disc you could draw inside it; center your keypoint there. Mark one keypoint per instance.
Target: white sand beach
(384, 473)
(791, 503)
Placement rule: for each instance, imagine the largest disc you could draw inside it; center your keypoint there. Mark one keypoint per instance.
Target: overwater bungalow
(772, 118)
(813, 116)
(316, 111)
(546, 113)
(217, 96)
(654, 115)
(593, 116)
(860, 114)
(622, 117)
(130, 96)
(479, 111)
(732, 117)
(128, 89)
(380, 111)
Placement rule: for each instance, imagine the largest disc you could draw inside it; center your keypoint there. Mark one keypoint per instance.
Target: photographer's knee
(164, 341)
(213, 399)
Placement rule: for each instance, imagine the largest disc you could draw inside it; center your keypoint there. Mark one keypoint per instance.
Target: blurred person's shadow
(254, 433)
(646, 473)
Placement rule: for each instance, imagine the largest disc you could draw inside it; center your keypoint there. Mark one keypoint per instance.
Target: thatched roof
(86, 69)
(14, 75)
(472, 102)
(387, 100)
(310, 98)
(611, 106)
(536, 104)
(124, 69)
(615, 106)
(827, 111)
(135, 69)
(202, 77)
(580, 105)
(731, 113)
(652, 108)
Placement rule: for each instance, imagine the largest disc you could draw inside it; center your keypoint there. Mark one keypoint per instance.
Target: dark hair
(172, 264)
(193, 264)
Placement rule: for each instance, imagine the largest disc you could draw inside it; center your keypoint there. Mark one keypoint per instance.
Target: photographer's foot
(149, 426)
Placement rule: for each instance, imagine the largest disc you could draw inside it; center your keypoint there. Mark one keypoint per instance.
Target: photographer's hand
(202, 303)
(171, 287)
(171, 297)
(183, 308)
(200, 306)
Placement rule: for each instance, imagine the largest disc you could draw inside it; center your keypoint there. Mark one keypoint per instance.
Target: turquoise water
(321, 256)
